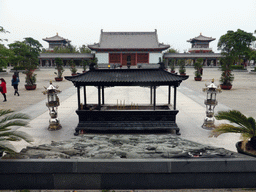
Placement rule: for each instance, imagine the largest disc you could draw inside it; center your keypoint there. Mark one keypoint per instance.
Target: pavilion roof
(192, 55)
(127, 77)
(56, 38)
(201, 38)
(66, 55)
(128, 40)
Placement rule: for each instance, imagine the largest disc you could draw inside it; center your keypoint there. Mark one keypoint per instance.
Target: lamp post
(210, 103)
(52, 104)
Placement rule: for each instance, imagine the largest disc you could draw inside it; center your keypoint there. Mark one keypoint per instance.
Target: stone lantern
(210, 103)
(52, 104)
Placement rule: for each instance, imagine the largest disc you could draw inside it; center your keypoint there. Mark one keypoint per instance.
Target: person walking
(15, 83)
(3, 88)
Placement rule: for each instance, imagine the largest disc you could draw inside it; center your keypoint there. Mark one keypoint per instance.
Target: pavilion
(103, 117)
(56, 41)
(199, 49)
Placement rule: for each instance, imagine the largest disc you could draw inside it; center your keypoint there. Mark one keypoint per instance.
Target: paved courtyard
(190, 103)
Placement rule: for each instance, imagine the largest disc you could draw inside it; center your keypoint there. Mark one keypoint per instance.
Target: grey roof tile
(127, 77)
(128, 40)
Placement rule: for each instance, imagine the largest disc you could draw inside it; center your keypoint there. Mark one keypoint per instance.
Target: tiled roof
(192, 55)
(56, 38)
(127, 77)
(201, 38)
(65, 55)
(129, 40)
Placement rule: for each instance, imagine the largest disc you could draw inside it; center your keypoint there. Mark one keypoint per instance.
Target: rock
(147, 146)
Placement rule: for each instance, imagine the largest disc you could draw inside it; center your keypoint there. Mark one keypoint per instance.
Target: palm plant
(245, 126)
(8, 122)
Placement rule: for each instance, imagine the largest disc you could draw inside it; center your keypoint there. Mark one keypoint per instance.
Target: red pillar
(136, 58)
(121, 57)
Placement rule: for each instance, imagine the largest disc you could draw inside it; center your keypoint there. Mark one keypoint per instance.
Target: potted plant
(182, 69)
(172, 66)
(84, 64)
(60, 69)
(73, 68)
(245, 126)
(198, 66)
(30, 78)
(226, 76)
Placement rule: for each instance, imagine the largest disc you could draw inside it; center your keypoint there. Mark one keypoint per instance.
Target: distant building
(56, 41)
(199, 49)
(128, 47)
(200, 44)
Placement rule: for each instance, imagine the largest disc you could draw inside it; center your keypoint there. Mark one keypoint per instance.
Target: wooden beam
(99, 98)
(85, 95)
(103, 100)
(175, 95)
(151, 95)
(154, 97)
(78, 97)
(169, 94)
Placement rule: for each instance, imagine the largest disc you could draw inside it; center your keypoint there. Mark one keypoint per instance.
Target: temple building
(56, 41)
(199, 49)
(200, 44)
(128, 48)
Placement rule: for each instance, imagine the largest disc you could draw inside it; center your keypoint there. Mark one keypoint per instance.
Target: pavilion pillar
(169, 94)
(175, 95)
(154, 97)
(85, 95)
(151, 92)
(51, 63)
(136, 58)
(103, 95)
(121, 58)
(99, 97)
(78, 97)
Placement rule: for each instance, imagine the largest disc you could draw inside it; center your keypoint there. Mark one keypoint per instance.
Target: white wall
(102, 57)
(154, 57)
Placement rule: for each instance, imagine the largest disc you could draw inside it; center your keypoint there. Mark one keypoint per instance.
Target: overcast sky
(81, 21)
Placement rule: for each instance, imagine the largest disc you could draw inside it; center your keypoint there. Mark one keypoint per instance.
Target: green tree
(245, 126)
(236, 44)
(8, 122)
(84, 49)
(5, 55)
(172, 50)
(2, 30)
(26, 56)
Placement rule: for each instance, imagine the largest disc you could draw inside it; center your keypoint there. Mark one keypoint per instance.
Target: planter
(198, 78)
(172, 71)
(74, 74)
(58, 78)
(225, 87)
(240, 150)
(30, 87)
(182, 74)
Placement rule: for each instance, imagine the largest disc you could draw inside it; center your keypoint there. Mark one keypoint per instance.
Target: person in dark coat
(15, 83)
(3, 88)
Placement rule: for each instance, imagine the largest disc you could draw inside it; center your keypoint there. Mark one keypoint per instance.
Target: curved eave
(100, 81)
(129, 49)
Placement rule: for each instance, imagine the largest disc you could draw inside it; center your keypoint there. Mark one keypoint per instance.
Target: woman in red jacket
(3, 88)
